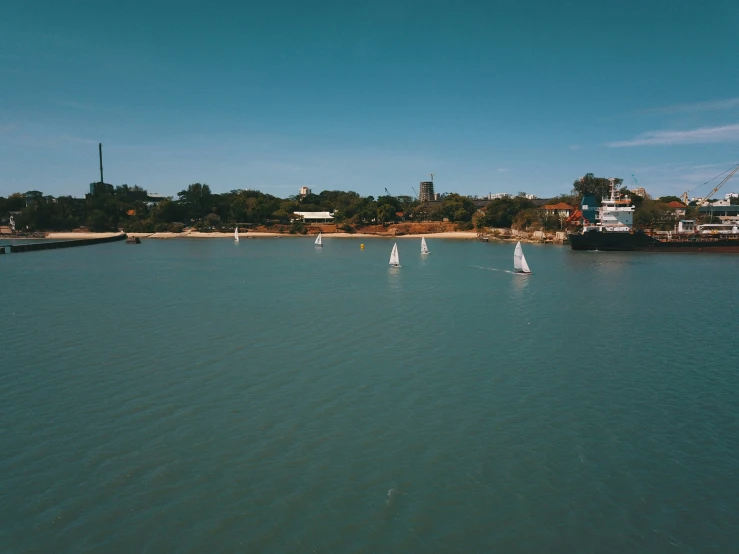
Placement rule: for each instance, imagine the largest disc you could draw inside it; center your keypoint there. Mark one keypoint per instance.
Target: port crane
(684, 196)
(721, 184)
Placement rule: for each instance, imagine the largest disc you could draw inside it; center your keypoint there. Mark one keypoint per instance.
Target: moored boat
(614, 231)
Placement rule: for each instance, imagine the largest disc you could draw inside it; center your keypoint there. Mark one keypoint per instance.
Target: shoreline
(447, 235)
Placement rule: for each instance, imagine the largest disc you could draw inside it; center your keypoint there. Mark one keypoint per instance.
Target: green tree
(15, 202)
(526, 218)
(457, 208)
(502, 211)
(386, 212)
(589, 185)
(98, 220)
(654, 215)
(668, 199)
(197, 199)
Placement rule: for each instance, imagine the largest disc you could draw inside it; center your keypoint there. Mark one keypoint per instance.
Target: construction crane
(721, 184)
(638, 189)
(415, 194)
(387, 192)
(684, 196)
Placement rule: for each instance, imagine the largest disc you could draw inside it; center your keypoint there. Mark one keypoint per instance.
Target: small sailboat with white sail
(424, 248)
(236, 234)
(319, 241)
(394, 258)
(520, 266)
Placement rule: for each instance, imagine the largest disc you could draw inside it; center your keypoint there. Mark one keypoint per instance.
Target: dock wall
(34, 247)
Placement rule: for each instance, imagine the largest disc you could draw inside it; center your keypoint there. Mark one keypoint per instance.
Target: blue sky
(489, 96)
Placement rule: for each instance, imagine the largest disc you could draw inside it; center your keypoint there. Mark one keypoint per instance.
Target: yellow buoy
(361, 246)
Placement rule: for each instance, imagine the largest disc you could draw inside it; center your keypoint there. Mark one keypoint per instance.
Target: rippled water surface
(270, 396)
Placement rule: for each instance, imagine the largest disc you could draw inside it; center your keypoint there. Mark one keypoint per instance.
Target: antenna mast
(100, 152)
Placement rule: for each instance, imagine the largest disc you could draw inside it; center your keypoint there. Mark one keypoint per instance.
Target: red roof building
(559, 208)
(677, 207)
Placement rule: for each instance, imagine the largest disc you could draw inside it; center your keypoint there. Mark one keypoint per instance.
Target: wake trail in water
(493, 269)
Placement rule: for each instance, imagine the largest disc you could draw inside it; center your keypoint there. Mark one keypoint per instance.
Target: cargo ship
(613, 230)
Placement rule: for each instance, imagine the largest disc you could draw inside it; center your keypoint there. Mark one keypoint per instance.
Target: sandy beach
(446, 235)
(453, 235)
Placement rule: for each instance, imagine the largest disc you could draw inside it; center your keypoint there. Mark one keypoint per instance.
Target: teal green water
(269, 396)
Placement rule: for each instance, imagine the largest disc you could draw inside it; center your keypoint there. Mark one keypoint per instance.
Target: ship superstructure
(615, 214)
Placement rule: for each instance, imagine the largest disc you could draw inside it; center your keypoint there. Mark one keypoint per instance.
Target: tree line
(110, 208)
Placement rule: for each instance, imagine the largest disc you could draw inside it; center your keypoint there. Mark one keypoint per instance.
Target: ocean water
(270, 396)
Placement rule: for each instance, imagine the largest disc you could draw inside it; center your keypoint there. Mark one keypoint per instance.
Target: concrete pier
(36, 246)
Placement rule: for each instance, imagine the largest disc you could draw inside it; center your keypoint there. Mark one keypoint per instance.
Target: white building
(304, 191)
(316, 217)
(506, 195)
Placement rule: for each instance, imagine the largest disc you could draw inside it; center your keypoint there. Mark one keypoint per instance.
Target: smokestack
(100, 150)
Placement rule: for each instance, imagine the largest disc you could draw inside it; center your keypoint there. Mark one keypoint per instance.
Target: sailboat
(394, 258)
(236, 234)
(319, 242)
(519, 261)
(424, 248)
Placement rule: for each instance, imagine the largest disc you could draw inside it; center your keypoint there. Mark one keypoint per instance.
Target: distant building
(152, 199)
(730, 195)
(720, 211)
(498, 195)
(304, 191)
(315, 217)
(101, 188)
(426, 191)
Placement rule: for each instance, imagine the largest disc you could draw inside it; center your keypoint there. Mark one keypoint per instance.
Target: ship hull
(641, 242)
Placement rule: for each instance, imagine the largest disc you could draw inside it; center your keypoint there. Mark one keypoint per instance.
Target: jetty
(53, 245)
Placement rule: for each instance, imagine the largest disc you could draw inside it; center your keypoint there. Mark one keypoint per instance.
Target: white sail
(424, 248)
(236, 234)
(318, 240)
(519, 261)
(394, 258)
(524, 265)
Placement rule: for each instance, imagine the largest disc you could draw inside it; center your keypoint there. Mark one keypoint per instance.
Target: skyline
(489, 98)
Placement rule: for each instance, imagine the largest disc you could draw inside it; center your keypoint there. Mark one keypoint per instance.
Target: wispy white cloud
(725, 133)
(501, 170)
(693, 107)
(574, 147)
